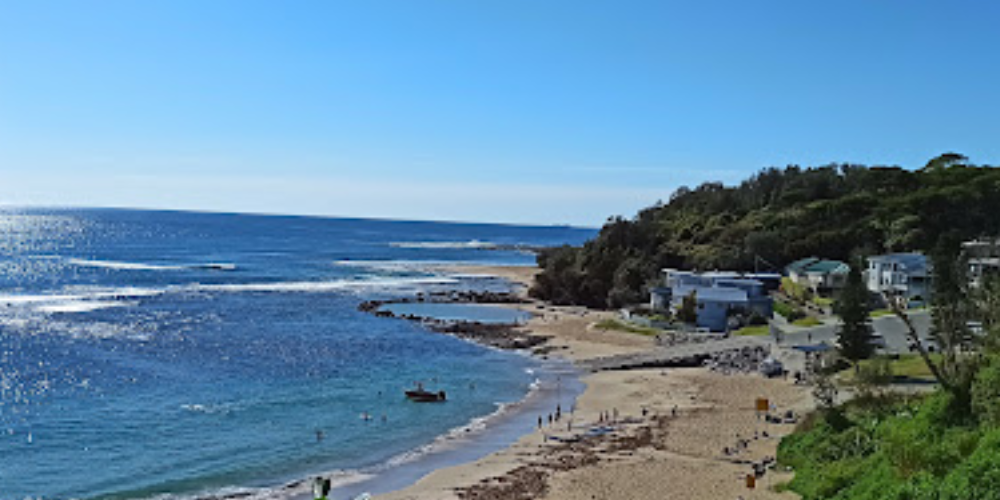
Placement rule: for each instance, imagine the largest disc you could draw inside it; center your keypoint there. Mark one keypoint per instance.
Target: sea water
(148, 353)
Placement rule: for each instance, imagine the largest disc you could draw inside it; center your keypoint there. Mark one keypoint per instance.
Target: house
(719, 296)
(906, 275)
(819, 275)
(659, 298)
(771, 281)
(983, 257)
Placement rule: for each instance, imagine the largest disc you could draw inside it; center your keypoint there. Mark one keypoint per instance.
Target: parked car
(771, 367)
(878, 341)
(930, 345)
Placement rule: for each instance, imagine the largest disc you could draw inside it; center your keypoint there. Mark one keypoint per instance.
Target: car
(930, 345)
(771, 368)
(876, 340)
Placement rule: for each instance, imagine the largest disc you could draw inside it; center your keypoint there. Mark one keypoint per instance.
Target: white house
(906, 275)
(983, 259)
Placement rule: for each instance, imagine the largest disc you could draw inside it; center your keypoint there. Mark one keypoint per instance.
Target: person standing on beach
(321, 488)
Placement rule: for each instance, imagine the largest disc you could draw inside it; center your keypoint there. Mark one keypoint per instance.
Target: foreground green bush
(901, 451)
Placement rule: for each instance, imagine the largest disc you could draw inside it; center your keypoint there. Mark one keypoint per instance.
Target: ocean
(161, 354)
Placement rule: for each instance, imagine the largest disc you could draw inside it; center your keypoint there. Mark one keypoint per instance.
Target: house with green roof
(822, 276)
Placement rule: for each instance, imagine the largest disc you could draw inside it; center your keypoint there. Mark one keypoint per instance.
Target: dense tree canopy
(773, 218)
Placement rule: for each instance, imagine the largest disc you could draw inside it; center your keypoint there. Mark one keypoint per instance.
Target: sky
(518, 111)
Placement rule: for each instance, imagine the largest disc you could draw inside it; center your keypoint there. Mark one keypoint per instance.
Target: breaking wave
(79, 300)
(139, 266)
(447, 245)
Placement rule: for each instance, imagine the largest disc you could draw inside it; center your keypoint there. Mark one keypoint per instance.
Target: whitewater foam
(124, 266)
(446, 245)
(322, 286)
(392, 265)
(82, 299)
(141, 266)
(80, 306)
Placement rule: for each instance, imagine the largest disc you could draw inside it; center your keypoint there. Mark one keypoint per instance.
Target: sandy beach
(635, 434)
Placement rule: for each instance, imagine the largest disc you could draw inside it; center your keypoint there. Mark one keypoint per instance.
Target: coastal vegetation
(905, 368)
(898, 448)
(773, 218)
(753, 331)
(945, 445)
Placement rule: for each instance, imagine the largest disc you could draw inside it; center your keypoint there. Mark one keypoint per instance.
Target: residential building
(905, 275)
(819, 275)
(720, 296)
(983, 257)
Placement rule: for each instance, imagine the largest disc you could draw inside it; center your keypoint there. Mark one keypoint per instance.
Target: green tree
(945, 161)
(953, 307)
(986, 302)
(773, 218)
(852, 306)
(688, 312)
(952, 310)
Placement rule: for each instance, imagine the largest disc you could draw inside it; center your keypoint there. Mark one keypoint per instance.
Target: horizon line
(6, 206)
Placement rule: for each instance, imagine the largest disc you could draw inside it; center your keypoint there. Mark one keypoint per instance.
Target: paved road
(890, 327)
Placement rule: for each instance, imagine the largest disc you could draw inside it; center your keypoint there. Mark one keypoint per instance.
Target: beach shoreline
(659, 433)
(665, 428)
(558, 380)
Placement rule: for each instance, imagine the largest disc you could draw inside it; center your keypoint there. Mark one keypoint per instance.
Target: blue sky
(490, 110)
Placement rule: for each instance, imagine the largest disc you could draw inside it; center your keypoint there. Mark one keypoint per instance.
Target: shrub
(978, 477)
(877, 372)
(986, 394)
(756, 319)
(904, 450)
(790, 312)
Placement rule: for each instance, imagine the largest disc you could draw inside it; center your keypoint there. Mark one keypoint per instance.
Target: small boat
(420, 395)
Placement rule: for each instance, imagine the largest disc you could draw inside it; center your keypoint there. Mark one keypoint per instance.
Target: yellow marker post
(763, 405)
